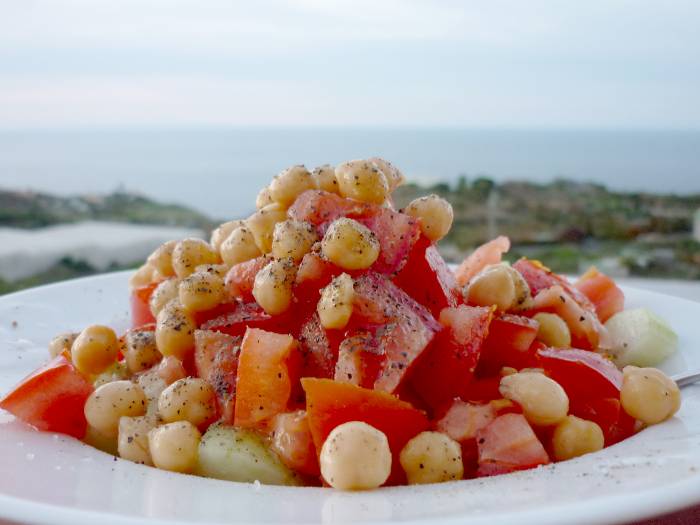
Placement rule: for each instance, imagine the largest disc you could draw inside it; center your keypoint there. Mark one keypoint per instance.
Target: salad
(324, 341)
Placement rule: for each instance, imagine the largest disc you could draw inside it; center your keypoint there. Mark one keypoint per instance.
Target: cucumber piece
(237, 454)
(641, 338)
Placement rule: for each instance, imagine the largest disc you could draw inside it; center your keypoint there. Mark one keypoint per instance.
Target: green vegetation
(34, 210)
(569, 225)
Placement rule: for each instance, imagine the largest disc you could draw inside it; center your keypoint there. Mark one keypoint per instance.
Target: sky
(495, 63)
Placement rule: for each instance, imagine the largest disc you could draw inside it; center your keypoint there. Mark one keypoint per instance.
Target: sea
(219, 170)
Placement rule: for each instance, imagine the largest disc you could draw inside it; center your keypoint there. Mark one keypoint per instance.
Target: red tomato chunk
(508, 444)
(51, 398)
(602, 291)
(140, 309)
(216, 361)
(509, 343)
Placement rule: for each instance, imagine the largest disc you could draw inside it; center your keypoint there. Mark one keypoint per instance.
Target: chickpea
(335, 306)
(435, 215)
(219, 270)
(162, 259)
(111, 401)
(553, 330)
(355, 456)
(262, 223)
(175, 330)
(350, 245)
(132, 443)
(162, 295)
(324, 176)
(264, 198)
(95, 349)
(175, 446)
(143, 276)
(272, 287)
(219, 235)
(291, 183)
(61, 343)
(362, 180)
(393, 175)
(190, 253)
(499, 285)
(239, 247)
(542, 399)
(190, 399)
(140, 350)
(575, 437)
(201, 291)
(649, 395)
(293, 239)
(432, 457)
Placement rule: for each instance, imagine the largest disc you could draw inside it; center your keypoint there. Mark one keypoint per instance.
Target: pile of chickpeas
(149, 411)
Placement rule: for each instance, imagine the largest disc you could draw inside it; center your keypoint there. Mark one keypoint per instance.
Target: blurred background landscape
(122, 127)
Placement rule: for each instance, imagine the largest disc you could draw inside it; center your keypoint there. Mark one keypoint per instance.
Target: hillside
(28, 209)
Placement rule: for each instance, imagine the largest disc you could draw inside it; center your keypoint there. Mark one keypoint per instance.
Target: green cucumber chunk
(641, 338)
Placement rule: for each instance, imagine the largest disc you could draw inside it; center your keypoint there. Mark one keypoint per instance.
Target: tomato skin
(428, 279)
(241, 316)
(51, 398)
(140, 309)
(602, 291)
(293, 442)
(240, 278)
(448, 365)
(509, 343)
(582, 374)
(508, 444)
(331, 403)
(488, 253)
(267, 377)
(216, 361)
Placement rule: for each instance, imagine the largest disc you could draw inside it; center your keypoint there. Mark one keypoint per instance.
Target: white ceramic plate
(47, 478)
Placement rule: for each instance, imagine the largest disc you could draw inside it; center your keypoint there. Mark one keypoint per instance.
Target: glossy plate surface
(48, 478)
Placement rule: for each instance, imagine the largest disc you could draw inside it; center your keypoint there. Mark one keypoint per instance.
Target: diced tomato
(608, 413)
(448, 365)
(331, 403)
(268, 373)
(241, 316)
(461, 422)
(361, 359)
(539, 278)
(602, 291)
(508, 444)
(586, 330)
(292, 440)
(313, 274)
(584, 375)
(240, 278)
(216, 361)
(140, 309)
(396, 233)
(170, 369)
(481, 389)
(319, 207)
(404, 327)
(319, 349)
(509, 343)
(488, 253)
(51, 398)
(428, 279)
